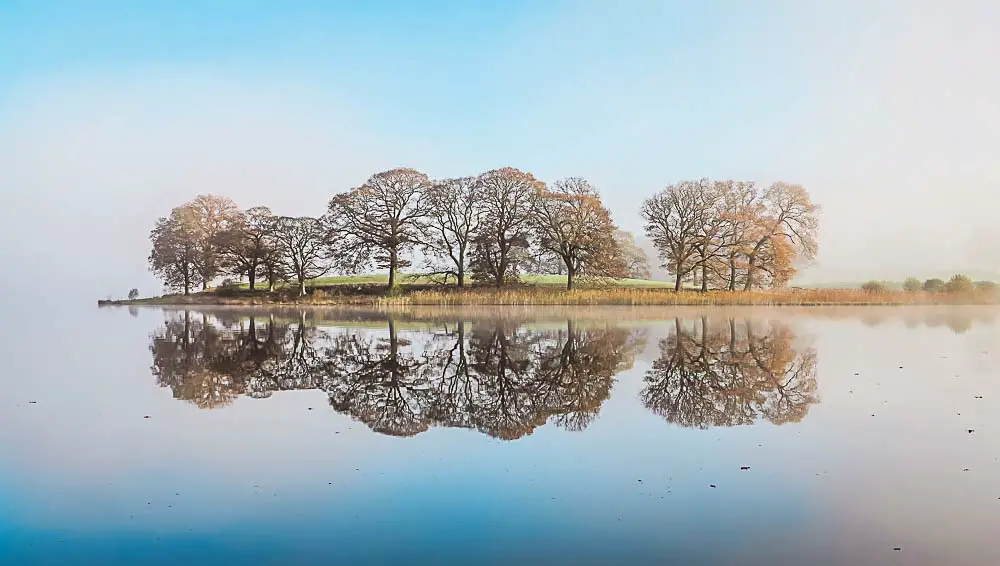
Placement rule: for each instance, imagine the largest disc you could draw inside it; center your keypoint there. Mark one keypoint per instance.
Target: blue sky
(112, 112)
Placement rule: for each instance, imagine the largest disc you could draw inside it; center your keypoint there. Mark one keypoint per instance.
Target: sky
(112, 112)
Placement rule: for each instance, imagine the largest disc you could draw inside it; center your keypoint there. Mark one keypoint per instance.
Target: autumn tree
(452, 223)
(381, 219)
(573, 225)
(213, 217)
(960, 284)
(784, 231)
(912, 285)
(740, 210)
(636, 262)
(174, 250)
(674, 220)
(508, 202)
(303, 246)
(248, 242)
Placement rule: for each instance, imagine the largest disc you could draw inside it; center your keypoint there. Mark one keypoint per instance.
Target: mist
(886, 112)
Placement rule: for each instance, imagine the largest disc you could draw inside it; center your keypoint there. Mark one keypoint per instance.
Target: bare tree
(248, 242)
(573, 225)
(213, 217)
(452, 223)
(508, 201)
(304, 248)
(174, 250)
(674, 222)
(380, 220)
(710, 240)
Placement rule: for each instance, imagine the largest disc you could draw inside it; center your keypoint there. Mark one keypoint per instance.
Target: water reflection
(500, 378)
(728, 373)
(401, 376)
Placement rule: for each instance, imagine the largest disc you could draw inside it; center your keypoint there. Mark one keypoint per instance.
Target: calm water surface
(545, 436)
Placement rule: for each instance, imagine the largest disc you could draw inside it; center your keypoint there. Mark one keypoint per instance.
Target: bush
(874, 287)
(959, 284)
(228, 288)
(933, 285)
(912, 285)
(133, 294)
(987, 287)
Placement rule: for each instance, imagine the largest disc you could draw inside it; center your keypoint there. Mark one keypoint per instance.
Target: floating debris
(32, 402)
(897, 548)
(146, 417)
(744, 468)
(711, 485)
(972, 430)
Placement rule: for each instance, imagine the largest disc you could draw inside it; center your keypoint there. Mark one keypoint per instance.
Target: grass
(652, 297)
(552, 295)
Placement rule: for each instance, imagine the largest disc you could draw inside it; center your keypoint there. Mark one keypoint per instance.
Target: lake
(786, 436)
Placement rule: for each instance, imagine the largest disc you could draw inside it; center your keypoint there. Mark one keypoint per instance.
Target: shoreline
(519, 296)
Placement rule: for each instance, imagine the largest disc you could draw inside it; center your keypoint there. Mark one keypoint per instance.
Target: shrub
(912, 285)
(933, 285)
(959, 284)
(874, 287)
(133, 294)
(228, 288)
(987, 286)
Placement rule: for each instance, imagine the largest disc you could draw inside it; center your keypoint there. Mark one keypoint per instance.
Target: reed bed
(618, 296)
(652, 297)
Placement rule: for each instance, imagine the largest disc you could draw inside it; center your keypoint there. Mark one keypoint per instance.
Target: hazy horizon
(112, 113)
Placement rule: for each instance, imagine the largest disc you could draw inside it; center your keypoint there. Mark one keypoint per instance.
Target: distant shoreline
(537, 296)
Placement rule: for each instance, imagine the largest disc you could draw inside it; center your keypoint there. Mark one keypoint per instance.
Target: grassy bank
(547, 295)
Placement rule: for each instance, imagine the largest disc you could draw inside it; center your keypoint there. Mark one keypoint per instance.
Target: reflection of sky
(83, 475)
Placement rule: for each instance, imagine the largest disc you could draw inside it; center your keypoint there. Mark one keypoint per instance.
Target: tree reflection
(731, 373)
(499, 378)
(377, 384)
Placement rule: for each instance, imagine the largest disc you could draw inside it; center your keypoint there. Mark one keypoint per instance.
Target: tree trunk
(750, 269)
(302, 286)
(461, 276)
(569, 278)
(704, 276)
(677, 281)
(253, 278)
(732, 273)
(187, 283)
(393, 260)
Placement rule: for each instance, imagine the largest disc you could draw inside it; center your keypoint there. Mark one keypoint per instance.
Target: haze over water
(543, 436)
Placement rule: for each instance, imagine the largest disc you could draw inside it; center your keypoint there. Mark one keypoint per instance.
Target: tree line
(490, 229)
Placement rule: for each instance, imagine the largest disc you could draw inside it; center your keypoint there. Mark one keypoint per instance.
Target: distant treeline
(958, 284)
(492, 228)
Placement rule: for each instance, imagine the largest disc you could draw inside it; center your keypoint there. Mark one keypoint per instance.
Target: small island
(507, 238)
